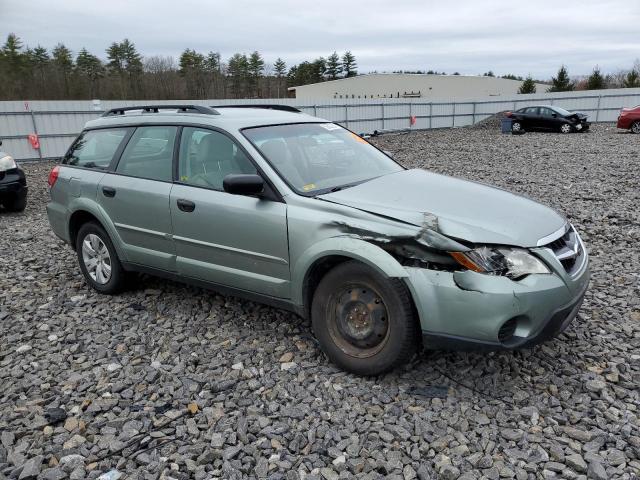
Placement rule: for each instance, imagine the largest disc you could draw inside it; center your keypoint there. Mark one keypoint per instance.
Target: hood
(462, 209)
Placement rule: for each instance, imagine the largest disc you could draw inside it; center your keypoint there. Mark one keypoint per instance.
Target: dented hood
(462, 209)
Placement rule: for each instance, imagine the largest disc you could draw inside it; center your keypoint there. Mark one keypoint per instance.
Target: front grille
(568, 250)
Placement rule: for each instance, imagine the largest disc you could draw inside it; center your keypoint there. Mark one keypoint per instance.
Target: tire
(379, 338)
(635, 127)
(516, 127)
(97, 241)
(566, 128)
(15, 203)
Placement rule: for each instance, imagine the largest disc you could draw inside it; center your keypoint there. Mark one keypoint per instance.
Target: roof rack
(156, 109)
(266, 106)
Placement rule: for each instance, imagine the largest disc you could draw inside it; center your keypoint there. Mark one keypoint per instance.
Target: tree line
(58, 74)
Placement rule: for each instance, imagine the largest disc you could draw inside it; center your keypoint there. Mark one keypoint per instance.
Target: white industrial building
(404, 85)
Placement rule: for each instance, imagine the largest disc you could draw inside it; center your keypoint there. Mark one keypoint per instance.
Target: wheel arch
(85, 211)
(319, 259)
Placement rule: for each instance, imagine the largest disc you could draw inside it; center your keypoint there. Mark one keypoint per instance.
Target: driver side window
(207, 156)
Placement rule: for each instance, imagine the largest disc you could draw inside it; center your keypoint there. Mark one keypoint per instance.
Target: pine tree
(349, 66)
(596, 81)
(256, 69)
(280, 68)
(63, 63)
(632, 79)
(528, 86)
(192, 69)
(126, 63)
(14, 63)
(561, 83)
(334, 67)
(238, 70)
(90, 67)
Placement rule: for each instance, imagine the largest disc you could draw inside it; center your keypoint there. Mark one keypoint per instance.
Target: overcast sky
(468, 36)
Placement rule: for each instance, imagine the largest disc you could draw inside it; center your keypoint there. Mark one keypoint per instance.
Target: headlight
(514, 263)
(7, 163)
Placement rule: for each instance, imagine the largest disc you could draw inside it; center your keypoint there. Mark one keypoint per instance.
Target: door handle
(186, 205)
(109, 191)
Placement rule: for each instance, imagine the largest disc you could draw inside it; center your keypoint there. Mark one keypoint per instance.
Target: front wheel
(566, 128)
(98, 259)
(364, 321)
(635, 127)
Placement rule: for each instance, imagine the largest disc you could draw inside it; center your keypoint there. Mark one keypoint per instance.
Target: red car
(629, 119)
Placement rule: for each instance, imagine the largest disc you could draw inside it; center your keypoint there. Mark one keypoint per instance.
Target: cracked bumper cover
(464, 310)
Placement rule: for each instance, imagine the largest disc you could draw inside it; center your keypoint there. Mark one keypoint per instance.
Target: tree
(192, 69)
(488, 74)
(238, 71)
(255, 69)
(562, 82)
(632, 80)
(14, 65)
(596, 81)
(510, 76)
(349, 66)
(90, 67)
(528, 86)
(125, 63)
(63, 64)
(334, 67)
(280, 68)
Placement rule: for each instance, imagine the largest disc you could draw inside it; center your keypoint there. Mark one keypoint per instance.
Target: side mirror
(554, 115)
(243, 184)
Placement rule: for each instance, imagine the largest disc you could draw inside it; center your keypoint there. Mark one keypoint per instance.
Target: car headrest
(276, 151)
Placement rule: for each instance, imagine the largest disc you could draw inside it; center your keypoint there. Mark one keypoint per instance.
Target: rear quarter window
(95, 148)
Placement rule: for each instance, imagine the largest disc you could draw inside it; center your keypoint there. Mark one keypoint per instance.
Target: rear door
(136, 197)
(547, 120)
(233, 240)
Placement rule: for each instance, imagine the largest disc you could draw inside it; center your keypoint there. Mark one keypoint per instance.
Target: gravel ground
(170, 381)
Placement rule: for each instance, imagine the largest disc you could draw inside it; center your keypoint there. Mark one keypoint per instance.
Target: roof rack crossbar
(156, 109)
(267, 106)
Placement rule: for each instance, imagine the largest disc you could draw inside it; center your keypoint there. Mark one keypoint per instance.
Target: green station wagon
(300, 213)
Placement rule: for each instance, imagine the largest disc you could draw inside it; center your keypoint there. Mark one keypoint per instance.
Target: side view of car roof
(230, 118)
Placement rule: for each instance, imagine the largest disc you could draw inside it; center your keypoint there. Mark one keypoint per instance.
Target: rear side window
(95, 148)
(149, 153)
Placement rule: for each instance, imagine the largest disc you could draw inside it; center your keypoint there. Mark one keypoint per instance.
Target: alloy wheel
(565, 128)
(516, 127)
(96, 258)
(635, 127)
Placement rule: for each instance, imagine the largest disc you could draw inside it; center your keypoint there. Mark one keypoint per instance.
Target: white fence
(57, 123)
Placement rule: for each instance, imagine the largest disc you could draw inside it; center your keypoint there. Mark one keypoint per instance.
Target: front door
(232, 240)
(136, 197)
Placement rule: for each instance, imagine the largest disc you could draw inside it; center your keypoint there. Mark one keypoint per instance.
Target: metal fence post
(410, 114)
(473, 114)
(453, 120)
(346, 115)
(598, 107)
(315, 110)
(430, 115)
(35, 130)
(382, 107)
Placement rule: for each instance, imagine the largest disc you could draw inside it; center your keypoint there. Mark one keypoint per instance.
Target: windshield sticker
(330, 126)
(309, 186)
(359, 138)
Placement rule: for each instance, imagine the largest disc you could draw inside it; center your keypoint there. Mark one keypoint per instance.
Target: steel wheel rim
(96, 258)
(635, 128)
(566, 128)
(358, 321)
(515, 127)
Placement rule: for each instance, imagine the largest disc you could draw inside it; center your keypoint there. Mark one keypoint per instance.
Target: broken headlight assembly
(514, 263)
(7, 163)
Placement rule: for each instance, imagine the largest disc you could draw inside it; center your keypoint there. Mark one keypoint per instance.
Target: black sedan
(548, 117)
(13, 184)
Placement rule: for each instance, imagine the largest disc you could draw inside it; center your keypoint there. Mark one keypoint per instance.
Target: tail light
(508, 114)
(53, 175)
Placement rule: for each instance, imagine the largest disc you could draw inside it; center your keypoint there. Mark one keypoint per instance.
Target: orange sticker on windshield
(309, 186)
(359, 138)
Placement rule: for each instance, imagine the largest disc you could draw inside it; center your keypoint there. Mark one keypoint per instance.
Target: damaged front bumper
(464, 309)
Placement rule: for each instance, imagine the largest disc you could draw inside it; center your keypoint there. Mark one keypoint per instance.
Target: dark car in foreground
(629, 119)
(549, 118)
(13, 184)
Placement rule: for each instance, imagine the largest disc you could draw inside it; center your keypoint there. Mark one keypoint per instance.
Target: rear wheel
(566, 128)
(635, 127)
(364, 321)
(98, 259)
(516, 127)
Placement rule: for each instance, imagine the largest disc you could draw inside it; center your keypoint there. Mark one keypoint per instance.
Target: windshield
(561, 111)
(316, 158)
